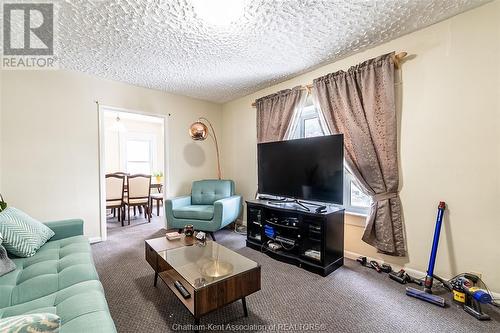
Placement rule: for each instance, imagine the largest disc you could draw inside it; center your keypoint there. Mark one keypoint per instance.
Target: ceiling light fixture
(219, 12)
(118, 125)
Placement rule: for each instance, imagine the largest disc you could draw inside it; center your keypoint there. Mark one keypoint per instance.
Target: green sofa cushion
(206, 192)
(22, 234)
(196, 212)
(82, 307)
(29, 323)
(57, 265)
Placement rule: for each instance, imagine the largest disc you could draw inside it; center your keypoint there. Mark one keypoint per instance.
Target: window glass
(139, 156)
(138, 150)
(312, 128)
(358, 198)
(139, 167)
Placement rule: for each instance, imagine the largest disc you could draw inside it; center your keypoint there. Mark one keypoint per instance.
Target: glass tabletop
(205, 263)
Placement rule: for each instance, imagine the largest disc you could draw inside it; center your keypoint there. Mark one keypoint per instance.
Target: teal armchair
(211, 206)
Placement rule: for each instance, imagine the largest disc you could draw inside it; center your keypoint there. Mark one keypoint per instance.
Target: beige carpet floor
(352, 299)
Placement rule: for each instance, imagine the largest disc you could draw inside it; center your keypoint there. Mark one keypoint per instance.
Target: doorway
(133, 159)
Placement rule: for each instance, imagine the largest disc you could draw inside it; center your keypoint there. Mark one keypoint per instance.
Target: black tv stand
(308, 239)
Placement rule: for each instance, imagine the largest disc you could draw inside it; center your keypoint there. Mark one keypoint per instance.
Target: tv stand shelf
(320, 233)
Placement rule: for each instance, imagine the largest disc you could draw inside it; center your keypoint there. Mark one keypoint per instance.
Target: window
(355, 201)
(139, 157)
(310, 123)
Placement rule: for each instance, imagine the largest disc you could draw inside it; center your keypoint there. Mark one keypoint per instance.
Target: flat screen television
(308, 169)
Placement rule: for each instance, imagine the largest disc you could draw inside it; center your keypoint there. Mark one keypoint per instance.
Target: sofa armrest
(65, 228)
(227, 210)
(178, 202)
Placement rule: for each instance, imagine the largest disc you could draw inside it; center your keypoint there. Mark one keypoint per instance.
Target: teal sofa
(211, 206)
(60, 278)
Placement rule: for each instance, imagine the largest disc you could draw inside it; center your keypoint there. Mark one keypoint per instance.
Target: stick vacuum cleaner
(426, 294)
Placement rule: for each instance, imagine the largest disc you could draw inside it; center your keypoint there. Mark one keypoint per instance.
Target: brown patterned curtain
(275, 113)
(360, 103)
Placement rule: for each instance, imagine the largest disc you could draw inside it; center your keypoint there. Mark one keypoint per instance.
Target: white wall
(49, 140)
(450, 142)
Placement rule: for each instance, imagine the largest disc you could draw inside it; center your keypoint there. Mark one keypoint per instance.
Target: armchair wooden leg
(212, 235)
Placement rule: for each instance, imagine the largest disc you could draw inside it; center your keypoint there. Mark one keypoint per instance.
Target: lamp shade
(198, 131)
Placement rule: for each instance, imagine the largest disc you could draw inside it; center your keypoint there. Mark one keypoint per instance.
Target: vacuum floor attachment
(420, 294)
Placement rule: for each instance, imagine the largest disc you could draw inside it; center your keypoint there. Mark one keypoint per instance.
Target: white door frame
(102, 158)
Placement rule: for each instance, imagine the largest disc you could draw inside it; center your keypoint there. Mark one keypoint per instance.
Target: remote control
(182, 290)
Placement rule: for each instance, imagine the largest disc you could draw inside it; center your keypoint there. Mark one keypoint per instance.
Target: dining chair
(124, 174)
(158, 197)
(115, 185)
(139, 194)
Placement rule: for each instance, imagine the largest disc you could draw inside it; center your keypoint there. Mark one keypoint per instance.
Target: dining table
(157, 186)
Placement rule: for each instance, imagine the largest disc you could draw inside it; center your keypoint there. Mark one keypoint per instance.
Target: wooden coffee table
(213, 274)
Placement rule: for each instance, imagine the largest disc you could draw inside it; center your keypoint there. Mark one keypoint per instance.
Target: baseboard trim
(413, 272)
(93, 240)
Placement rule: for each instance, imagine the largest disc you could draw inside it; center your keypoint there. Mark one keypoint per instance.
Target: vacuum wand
(426, 294)
(429, 279)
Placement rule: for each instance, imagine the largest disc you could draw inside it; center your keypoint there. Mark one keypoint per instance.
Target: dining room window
(139, 156)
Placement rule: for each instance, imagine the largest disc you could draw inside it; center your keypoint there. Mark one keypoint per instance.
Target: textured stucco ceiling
(165, 45)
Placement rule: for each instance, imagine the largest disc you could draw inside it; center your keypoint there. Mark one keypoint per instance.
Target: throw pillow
(3, 204)
(22, 234)
(6, 265)
(36, 322)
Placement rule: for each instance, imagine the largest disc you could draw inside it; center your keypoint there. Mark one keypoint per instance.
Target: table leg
(156, 278)
(196, 323)
(245, 310)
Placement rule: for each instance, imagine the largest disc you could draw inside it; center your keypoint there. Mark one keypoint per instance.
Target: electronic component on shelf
(313, 254)
(313, 227)
(274, 246)
(290, 222)
(287, 222)
(269, 231)
(285, 240)
(182, 289)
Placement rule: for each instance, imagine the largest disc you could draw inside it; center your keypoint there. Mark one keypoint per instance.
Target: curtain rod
(397, 58)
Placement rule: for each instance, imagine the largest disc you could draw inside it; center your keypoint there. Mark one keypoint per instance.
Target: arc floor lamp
(199, 132)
